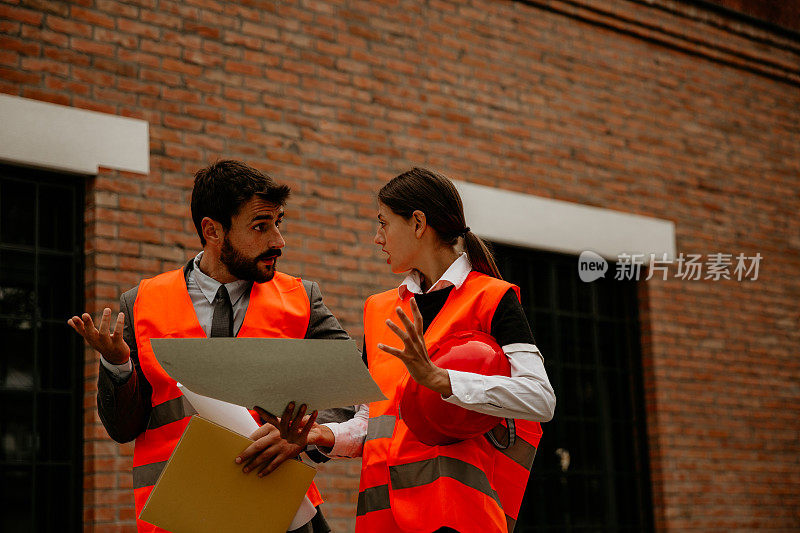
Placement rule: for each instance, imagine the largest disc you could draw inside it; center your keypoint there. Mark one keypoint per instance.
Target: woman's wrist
(321, 436)
(440, 382)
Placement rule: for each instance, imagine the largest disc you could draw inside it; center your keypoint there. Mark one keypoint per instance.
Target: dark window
(41, 378)
(591, 469)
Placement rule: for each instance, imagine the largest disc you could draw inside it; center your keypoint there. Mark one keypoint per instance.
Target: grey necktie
(222, 321)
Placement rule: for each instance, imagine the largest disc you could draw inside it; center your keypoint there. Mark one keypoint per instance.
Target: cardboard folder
(202, 489)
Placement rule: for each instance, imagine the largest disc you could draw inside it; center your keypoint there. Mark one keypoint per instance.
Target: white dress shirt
(525, 395)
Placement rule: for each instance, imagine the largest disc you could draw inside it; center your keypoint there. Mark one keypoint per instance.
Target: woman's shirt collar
(455, 275)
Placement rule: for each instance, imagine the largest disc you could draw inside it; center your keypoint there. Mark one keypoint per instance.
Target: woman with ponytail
(453, 288)
(452, 285)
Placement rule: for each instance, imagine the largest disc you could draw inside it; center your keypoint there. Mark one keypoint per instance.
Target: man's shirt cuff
(118, 372)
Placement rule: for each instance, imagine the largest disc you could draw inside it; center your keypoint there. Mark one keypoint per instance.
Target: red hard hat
(435, 421)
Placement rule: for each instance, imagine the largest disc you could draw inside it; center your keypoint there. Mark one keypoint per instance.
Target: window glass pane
(16, 426)
(16, 364)
(606, 298)
(16, 503)
(54, 426)
(565, 286)
(53, 498)
(567, 349)
(57, 353)
(56, 286)
(624, 458)
(542, 285)
(585, 297)
(542, 327)
(596, 500)
(583, 341)
(56, 218)
(17, 283)
(17, 212)
(588, 393)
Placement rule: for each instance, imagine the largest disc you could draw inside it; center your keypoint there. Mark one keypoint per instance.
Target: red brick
(67, 57)
(70, 27)
(122, 39)
(9, 58)
(18, 45)
(46, 96)
(208, 32)
(115, 67)
(19, 77)
(248, 69)
(25, 16)
(161, 19)
(74, 88)
(92, 47)
(137, 28)
(135, 56)
(181, 66)
(44, 65)
(95, 18)
(160, 49)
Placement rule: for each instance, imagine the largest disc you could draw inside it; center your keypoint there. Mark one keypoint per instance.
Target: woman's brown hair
(437, 197)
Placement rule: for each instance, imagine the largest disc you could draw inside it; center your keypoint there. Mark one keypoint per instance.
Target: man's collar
(210, 286)
(455, 275)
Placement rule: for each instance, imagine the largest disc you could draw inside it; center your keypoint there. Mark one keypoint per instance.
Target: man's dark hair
(221, 189)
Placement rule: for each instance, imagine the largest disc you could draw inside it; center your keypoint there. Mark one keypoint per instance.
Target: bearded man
(231, 288)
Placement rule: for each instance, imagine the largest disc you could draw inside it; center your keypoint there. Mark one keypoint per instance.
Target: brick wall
(665, 110)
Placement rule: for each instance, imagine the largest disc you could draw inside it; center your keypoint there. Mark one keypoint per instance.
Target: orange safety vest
(406, 485)
(163, 309)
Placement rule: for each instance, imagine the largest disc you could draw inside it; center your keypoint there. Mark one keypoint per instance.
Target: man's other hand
(110, 344)
(277, 440)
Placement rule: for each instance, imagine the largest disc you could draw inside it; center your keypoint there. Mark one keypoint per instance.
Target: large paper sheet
(202, 490)
(228, 415)
(270, 373)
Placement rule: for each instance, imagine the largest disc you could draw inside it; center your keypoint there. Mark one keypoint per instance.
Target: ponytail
(480, 255)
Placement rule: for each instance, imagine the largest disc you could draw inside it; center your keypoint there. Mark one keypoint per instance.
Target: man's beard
(246, 268)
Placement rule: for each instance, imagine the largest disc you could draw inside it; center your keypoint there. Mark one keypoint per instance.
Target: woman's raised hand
(414, 353)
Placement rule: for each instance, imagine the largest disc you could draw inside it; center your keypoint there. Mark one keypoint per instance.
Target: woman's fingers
(394, 351)
(417, 316)
(407, 322)
(399, 332)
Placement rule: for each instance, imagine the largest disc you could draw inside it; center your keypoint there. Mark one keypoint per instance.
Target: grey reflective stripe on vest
(510, 523)
(147, 475)
(423, 472)
(380, 427)
(170, 411)
(522, 453)
(373, 499)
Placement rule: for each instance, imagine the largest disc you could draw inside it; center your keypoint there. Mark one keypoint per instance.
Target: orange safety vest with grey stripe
(406, 485)
(163, 309)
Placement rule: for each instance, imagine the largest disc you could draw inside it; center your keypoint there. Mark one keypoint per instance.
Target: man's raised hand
(110, 344)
